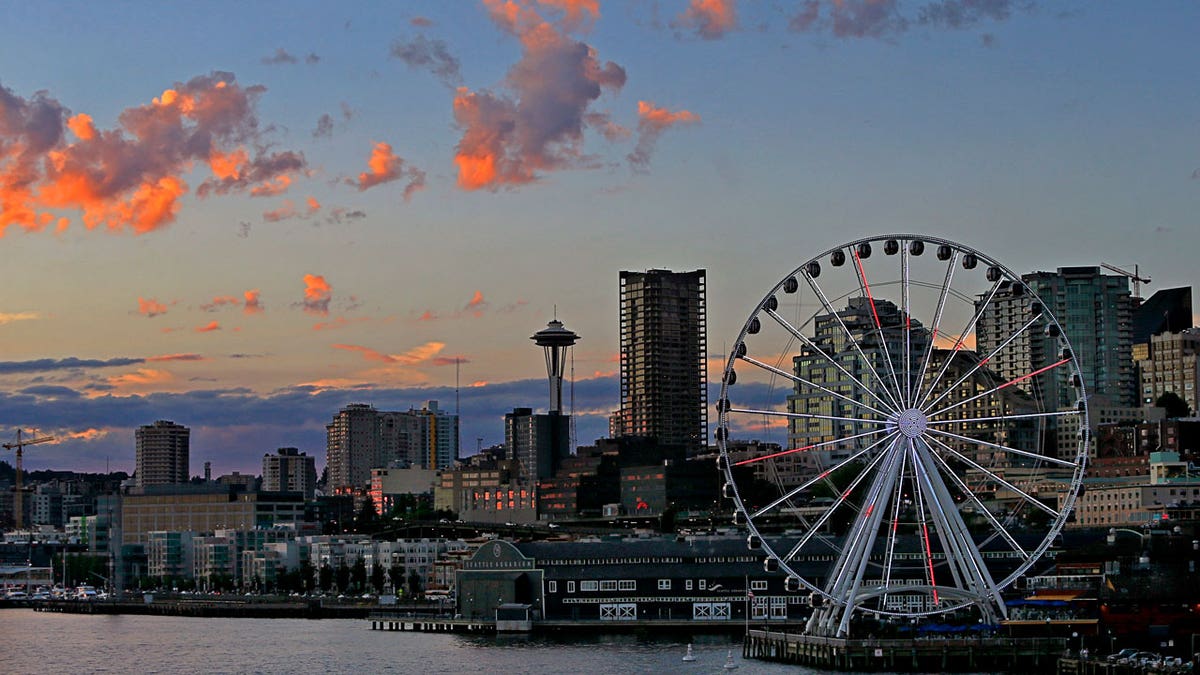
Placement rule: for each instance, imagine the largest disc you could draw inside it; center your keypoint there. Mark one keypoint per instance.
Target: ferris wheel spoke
(837, 503)
(1010, 383)
(923, 525)
(783, 453)
(810, 416)
(937, 325)
(822, 477)
(995, 477)
(895, 405)
(800, 380)
(889, 557)
(970, 494)
(906, 315)
(959, 343)
(997, 418)
(898, 394)
(975, 368)
(963, 556)
(1005, 448)
(822, 353)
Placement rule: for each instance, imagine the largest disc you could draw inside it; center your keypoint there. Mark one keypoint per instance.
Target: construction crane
(1136, 278)
(19, 446)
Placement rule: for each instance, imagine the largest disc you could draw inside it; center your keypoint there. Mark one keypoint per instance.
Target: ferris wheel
(930, 430)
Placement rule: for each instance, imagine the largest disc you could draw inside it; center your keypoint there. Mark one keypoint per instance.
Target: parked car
(1121, 655)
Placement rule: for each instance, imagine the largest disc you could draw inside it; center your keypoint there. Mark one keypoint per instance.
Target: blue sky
(1044, 134)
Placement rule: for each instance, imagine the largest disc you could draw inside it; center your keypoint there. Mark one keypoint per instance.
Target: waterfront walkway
(1029, 655)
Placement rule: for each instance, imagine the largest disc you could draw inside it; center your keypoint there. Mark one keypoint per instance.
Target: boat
(689, 656)
(729, 664)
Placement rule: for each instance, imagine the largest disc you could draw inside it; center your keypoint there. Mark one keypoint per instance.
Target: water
(46, 642)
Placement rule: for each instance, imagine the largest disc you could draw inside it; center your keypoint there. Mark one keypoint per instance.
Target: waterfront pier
(1030, 655)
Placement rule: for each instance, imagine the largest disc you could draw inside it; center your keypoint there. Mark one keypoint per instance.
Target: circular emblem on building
(496, 550)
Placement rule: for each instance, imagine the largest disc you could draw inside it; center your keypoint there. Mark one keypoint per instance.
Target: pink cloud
(512, 138)
(710, 19)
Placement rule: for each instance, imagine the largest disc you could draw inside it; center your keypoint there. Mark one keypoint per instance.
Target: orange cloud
(339, 322)
(81, 125)
(450, 360)
(143, 377)
(384, 166)
(428, 315)
(537, 126)
(253, 304)
(288, 210)
(208, 327)
(313, 205)
(317, 294)
(85, 435)
(175, 357)
(275, 185)
(578, 12)
(150, 307)
(478, 383)
(652, 122)
(9, 317)
(220, 301)
(710, 19)
(412, 357)
(130, 177)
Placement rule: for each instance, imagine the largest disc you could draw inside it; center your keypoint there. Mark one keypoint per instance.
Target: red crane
(19, 446)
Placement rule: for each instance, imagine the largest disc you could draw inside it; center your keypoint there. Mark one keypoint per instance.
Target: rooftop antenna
(457, 413)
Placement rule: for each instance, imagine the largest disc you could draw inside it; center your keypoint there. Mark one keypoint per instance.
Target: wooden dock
(1028, 655)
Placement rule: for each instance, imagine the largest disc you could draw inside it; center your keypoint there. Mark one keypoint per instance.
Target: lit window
(570, 586)
(687, 585)
(588, 586)
(552, 587)
(664, 584)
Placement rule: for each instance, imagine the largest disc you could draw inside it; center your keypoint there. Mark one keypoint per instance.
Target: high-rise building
(289, 470)
(1096, 314)
(1167, 311)
(361, 438)
(664, 349)
(1170, 362)
(538, 443)
(353, 446)
(162, 453)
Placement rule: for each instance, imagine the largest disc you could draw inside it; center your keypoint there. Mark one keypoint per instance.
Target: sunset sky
(243, 216)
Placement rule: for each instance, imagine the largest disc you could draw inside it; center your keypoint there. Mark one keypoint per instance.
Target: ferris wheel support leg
(846, 581)
(960, 547)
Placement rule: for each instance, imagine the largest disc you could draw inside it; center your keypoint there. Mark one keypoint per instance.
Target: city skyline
(243, 220)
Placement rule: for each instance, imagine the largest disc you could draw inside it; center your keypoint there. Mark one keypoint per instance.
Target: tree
(342, 576)
(396, 576)
(1173, 404)
(377, 577)
(307, 573)
(414, 584)
(358, 575)
(325, 579)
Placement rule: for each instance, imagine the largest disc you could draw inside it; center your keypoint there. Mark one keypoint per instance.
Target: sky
(244, 216)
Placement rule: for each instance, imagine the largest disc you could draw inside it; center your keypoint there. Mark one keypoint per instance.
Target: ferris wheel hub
(913, 423)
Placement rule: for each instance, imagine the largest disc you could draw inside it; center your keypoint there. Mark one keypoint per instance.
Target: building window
(758, 585)
(687, 584)
(587, 586)
(608, 585)
(628, 585)
(664, 584)
(552, 586)
(570, 586)
(703, 584)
